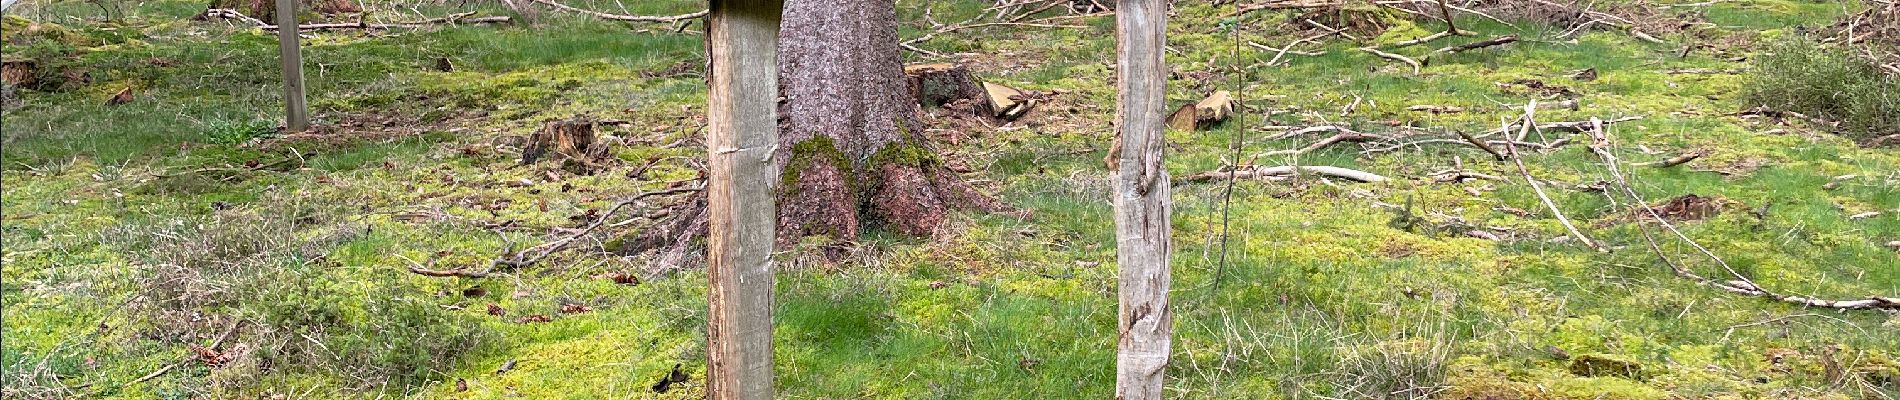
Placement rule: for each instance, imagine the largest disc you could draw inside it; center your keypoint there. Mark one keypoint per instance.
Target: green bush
(1806, 77)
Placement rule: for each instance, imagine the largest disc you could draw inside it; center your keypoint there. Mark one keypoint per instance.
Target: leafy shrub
(1802, 76)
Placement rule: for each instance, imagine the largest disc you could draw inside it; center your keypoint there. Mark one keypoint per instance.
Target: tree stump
(936, 85)
(566, 140)
(1209, 111)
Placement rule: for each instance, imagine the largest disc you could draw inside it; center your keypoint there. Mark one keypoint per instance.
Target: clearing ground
(174, 246)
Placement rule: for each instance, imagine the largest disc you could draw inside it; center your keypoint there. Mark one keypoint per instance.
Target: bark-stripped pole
(296, 116)
(742, 132)
(1142, 200)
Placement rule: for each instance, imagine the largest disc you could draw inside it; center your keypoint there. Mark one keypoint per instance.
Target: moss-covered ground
(133, 232)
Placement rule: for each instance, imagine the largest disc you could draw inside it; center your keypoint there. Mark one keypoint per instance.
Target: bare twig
(1416, 66)
(1530, 112)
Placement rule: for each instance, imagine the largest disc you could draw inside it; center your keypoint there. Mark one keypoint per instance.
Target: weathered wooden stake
(1142, 200)
(296, 117)
(742, 133)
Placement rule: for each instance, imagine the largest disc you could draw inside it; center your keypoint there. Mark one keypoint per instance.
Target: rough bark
(741, 133)
(1142, 201)
(850, 145)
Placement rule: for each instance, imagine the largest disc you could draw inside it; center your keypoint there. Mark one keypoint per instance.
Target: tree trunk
(1142, 200)
(741, 133)
(851, 149)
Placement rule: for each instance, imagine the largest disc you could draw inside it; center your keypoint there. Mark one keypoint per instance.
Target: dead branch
(1475, 142)
(622, 17)
(462, 272)
(1497, 41)
(1436, 109)
(1306, 131)
(1282, 52)
(1283, 171)
(1416, 66)
(1344, 135)
(1530, 112)
(1445, 9)
(1674, 161)
(534, 254)
(1257, 45)
(1422, 40)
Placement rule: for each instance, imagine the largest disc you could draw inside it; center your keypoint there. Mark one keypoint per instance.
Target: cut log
(936, 85)
(1007, 102)
(1213, 109)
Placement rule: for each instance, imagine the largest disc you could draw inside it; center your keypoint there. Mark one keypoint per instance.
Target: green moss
(809, 153)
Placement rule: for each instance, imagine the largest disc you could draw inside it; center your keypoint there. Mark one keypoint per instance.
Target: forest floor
(136, 235)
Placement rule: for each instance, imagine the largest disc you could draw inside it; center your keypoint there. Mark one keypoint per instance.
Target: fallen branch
(1281, 53)
(1674, 161)
(1445, 9)
(458, 272)
(1343, 136)
(1422, 40)
(1530, 112)
(1436, 109)
(1501, 40)
(535, 254)
(1267, 172)
(1475, 142)
(1416, 66)
(622, 17)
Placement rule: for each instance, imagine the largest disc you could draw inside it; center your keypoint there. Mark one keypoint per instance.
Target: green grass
(1322, 295)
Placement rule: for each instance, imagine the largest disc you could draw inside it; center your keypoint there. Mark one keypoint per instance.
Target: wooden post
(1142, 200)
(296, 116)
(742, 135)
